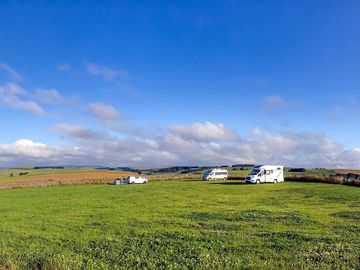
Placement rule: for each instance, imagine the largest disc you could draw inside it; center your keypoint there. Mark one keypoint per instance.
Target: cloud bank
(123, 144)
(204, 143)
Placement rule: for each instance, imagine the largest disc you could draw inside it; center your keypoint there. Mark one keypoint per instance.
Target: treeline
(176, 169)
(296, 170)
(48, 167)
(350, 179)
(243, 165)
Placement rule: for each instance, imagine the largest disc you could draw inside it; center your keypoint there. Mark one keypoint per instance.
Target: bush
(342, 179)
(296, 170)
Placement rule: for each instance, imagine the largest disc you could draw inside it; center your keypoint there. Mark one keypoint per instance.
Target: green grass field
(181, 225)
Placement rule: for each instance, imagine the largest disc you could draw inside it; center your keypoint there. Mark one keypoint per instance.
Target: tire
(275, 181)
(210, 179)
(258, 181)
(132, 182)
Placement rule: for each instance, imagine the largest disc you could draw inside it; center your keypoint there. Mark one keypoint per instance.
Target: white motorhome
(266, 174)
(215, 174)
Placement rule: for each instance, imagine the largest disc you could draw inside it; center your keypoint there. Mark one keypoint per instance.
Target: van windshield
(207, 172)
(254, 172)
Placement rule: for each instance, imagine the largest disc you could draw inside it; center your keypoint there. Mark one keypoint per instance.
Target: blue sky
(178, 82)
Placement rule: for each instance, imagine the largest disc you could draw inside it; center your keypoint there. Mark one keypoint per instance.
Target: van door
(268, 176)
(263, 176)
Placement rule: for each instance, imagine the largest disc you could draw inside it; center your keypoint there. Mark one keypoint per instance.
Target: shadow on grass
(232, 183)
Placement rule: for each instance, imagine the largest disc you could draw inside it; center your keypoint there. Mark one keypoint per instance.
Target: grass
(184, 224)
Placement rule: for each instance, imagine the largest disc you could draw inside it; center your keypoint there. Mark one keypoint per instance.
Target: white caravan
(266, 174)
(215, 174)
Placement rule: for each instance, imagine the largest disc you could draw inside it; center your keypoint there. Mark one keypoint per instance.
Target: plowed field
(344, 171)
(62, 178)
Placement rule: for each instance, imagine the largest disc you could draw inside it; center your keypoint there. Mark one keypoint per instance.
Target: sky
(161, 83)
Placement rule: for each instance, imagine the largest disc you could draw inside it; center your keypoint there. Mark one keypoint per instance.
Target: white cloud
(9, 97)
(13, 89)
(104, 112)
(206, 131)
(25, 148)
(48, 96)
(14, 97)
(28, 152)
(104, 72)
(111, 118)
(79, 133)
(14, 75)
(294, 149)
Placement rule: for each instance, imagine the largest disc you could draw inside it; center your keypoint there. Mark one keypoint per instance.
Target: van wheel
(275, 181)
(258, 181)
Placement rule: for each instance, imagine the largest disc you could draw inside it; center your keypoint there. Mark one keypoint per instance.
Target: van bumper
(250, 181)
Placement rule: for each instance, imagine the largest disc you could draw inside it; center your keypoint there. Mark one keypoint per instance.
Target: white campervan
(266, 174)
(215, 174)
(136, 180)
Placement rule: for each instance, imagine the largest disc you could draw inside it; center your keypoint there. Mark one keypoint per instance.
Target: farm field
(28, 177)
(47, 177)
(181, 224)
(12, 178)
